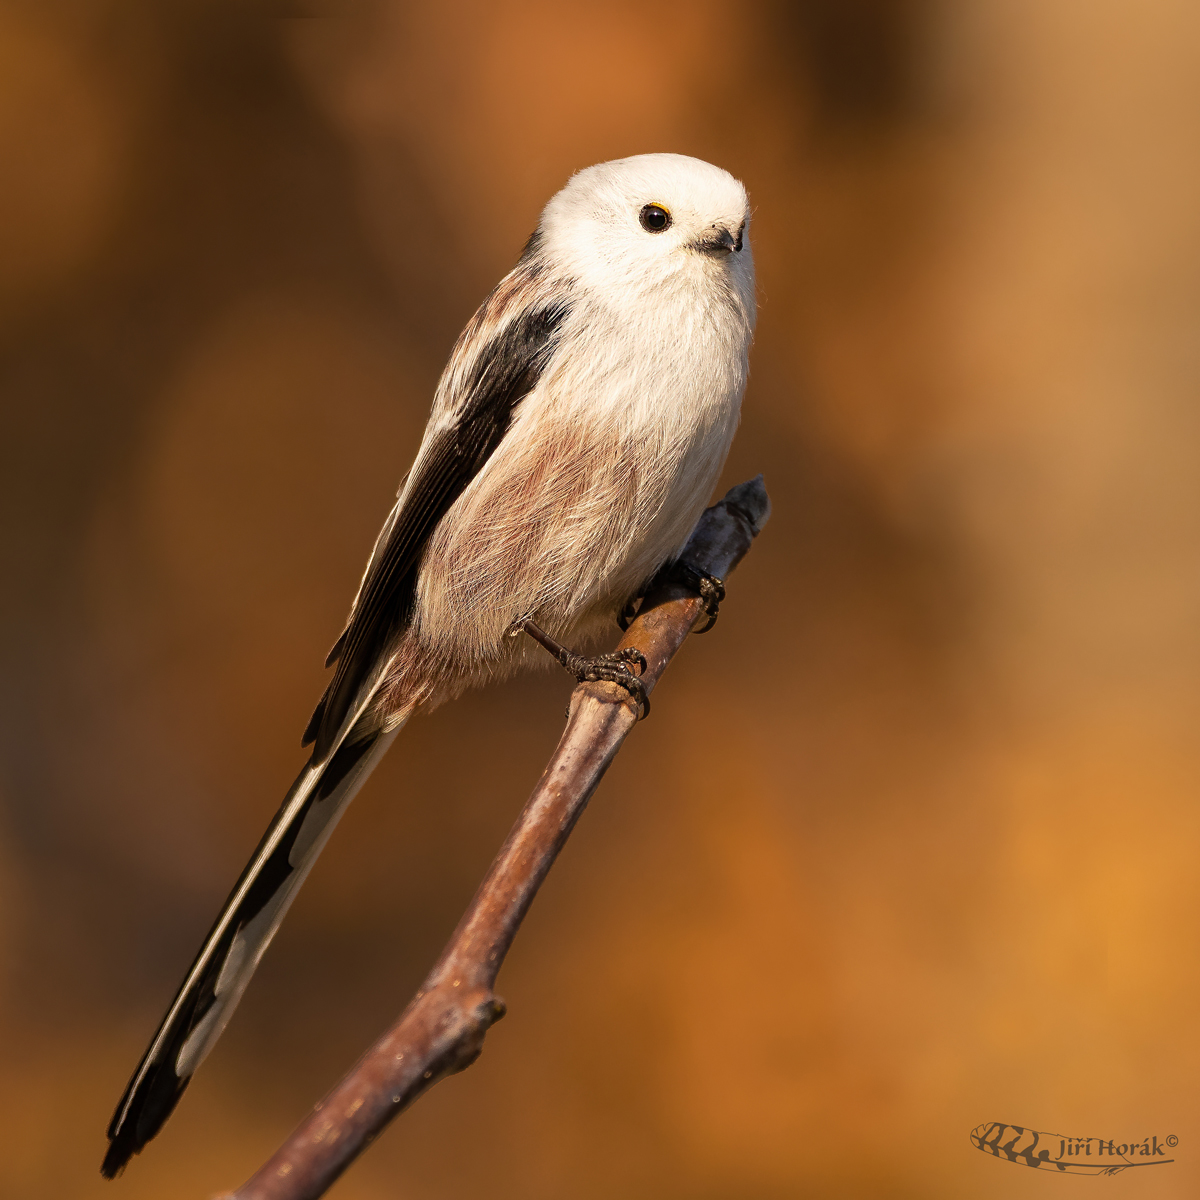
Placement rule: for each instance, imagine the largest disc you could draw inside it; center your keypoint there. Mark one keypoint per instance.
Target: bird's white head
(651, 222)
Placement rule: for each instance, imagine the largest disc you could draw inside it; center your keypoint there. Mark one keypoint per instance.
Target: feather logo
(1070, 1155)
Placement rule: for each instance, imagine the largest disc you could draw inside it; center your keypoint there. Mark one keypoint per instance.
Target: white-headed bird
(575, 437)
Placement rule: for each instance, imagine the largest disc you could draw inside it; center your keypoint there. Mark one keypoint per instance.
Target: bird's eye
(654, 218)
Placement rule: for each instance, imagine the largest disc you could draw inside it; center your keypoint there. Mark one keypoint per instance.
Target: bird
(574, 438)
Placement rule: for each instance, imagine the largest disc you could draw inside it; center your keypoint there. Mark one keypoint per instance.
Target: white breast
(600, 479)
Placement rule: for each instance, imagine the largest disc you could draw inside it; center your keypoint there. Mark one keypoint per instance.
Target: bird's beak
(719, 241)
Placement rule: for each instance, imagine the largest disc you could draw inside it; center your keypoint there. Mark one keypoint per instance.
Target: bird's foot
(707, 586)
(610, 668)
(614, 668)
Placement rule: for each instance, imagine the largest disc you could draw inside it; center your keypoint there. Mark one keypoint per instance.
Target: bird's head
(651, 221)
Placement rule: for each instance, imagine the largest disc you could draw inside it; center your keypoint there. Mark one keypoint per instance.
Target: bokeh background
(910, 842)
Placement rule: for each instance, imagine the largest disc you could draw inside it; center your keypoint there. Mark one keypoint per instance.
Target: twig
(442, 1030)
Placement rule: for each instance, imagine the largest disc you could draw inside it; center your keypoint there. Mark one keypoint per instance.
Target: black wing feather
(505, 371)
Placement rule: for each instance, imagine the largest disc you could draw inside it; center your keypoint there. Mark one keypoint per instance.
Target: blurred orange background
(909, 843)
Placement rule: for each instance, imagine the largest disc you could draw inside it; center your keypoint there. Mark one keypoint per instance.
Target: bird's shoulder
(509, 333)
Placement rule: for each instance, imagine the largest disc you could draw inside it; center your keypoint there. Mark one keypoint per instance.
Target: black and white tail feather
(231, 952)
(575, 437)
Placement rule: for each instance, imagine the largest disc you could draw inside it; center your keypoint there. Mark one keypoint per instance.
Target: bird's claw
(628, 654)
(707, 586)
(614, 668)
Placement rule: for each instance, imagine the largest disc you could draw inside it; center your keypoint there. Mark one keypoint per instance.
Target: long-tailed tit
(575, 437)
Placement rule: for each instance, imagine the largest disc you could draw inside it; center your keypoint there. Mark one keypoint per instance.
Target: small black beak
(720, 241)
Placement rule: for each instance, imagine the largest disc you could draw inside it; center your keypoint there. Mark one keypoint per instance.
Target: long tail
(231, 952)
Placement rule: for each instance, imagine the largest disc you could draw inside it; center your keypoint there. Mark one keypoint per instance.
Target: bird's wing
(496, 363)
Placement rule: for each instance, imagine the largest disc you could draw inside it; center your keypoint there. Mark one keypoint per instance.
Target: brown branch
(442, 1030)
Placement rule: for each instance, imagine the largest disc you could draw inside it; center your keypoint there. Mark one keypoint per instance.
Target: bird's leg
(613, 668)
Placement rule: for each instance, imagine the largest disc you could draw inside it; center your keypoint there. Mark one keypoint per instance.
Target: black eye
(654, 218)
